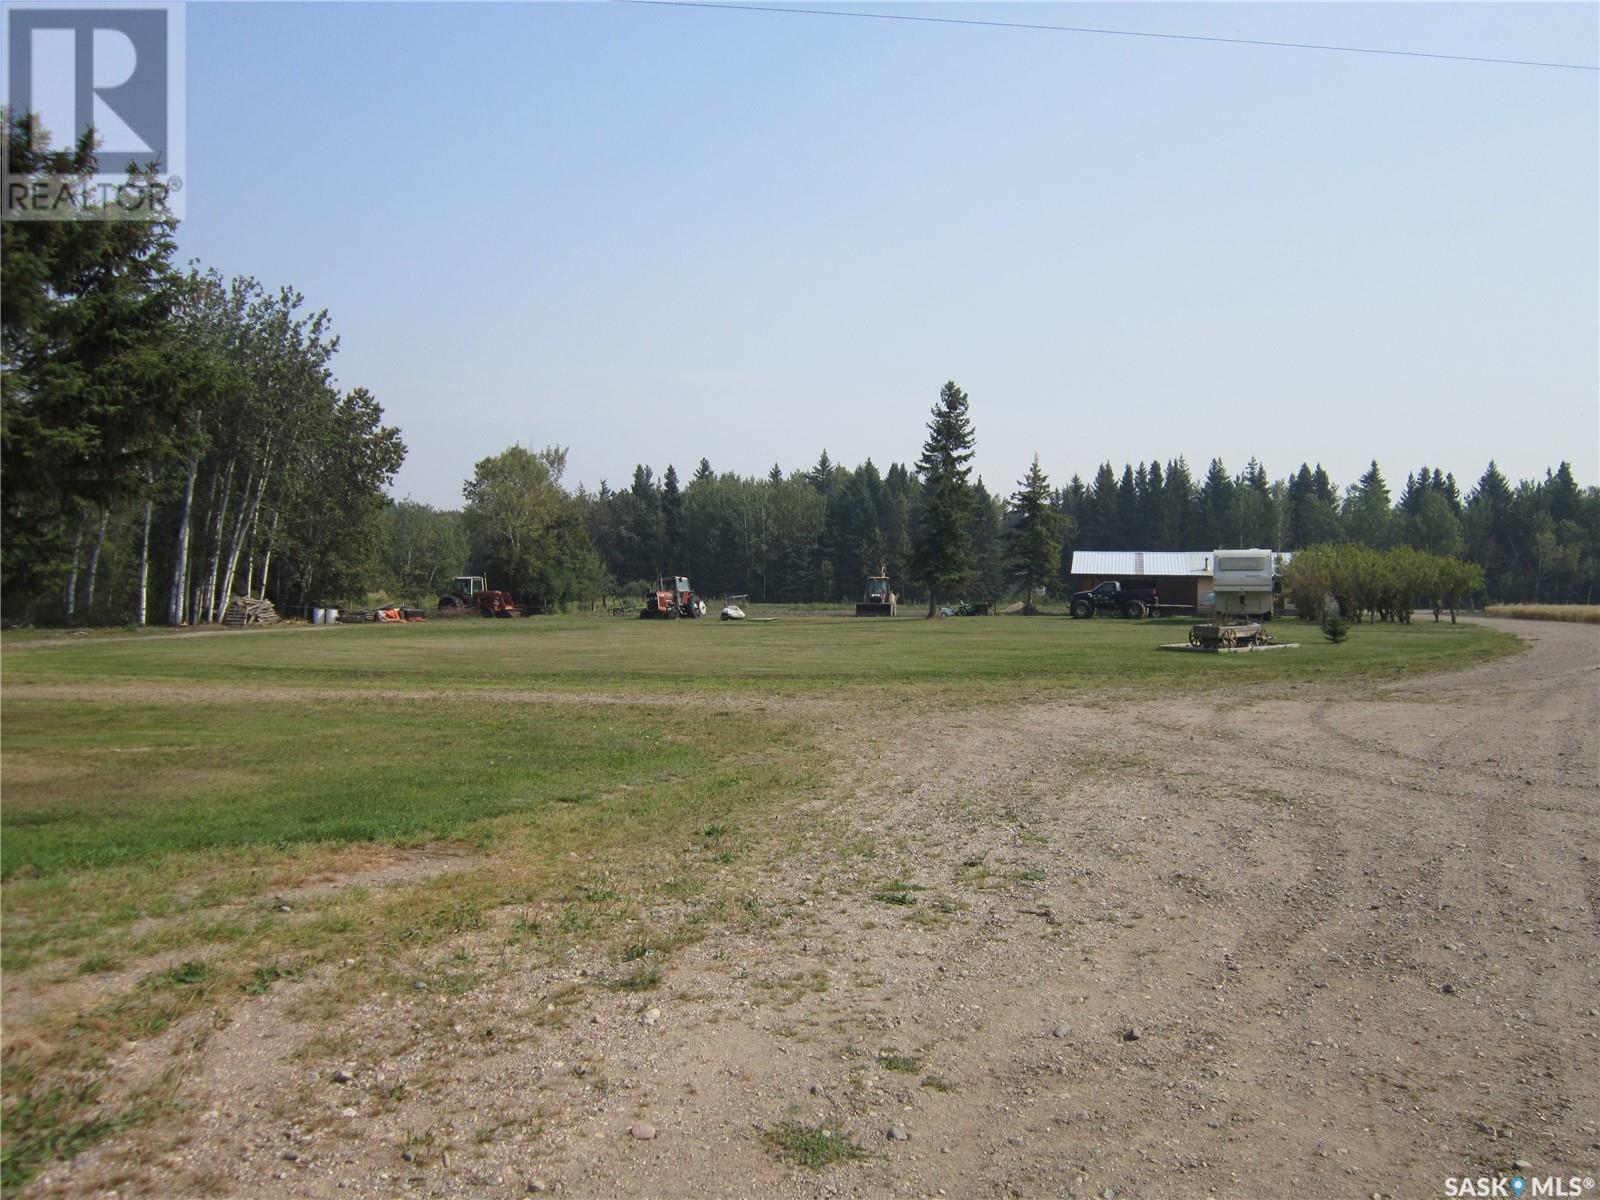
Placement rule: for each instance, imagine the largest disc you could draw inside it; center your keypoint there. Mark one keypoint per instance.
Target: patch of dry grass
(195, 929)
(1587, 614)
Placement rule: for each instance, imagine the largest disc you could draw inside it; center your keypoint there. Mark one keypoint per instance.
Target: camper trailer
(1243, 583)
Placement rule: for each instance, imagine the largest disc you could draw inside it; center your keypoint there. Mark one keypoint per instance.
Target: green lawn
(200, 742)
(97, 783)
(985, 657)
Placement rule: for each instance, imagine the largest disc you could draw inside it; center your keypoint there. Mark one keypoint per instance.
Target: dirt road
(1323, 944)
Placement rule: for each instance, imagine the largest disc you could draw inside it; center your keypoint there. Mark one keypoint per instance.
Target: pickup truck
(1112, 597)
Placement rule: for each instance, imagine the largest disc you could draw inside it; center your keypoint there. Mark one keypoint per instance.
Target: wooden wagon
(1219, 635)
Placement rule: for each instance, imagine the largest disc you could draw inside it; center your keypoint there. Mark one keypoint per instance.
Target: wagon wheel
(1194, 637)
(1229, 638)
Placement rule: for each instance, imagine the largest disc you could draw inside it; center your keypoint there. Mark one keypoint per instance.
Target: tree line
(168, 437)
(815, 535)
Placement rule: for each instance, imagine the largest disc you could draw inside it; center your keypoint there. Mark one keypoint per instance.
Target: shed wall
(1170, 589)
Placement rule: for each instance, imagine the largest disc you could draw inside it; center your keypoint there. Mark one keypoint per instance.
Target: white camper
(1243, 582)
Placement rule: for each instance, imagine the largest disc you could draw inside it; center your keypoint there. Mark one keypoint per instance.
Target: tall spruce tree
(821, 475)
(1366, 512)
(1180, 504)
(941, 556)
(672, 521)
(1101, 528)
(1158, 523)
(990, 578)
(1035, 534)
(1216, 501)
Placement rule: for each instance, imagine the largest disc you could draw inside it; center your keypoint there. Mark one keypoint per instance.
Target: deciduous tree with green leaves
(514, 506)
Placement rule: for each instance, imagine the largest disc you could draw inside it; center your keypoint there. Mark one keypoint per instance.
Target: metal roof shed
(1141, 564)
(1179, 577)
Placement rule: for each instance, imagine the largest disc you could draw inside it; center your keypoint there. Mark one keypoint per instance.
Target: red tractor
(668, 602)
(471, 593)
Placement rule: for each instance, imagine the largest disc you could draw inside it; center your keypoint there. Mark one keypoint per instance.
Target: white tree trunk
(208, 598)
(243, 531)
(266, 561)
(180, 566)
(72, 576)
(241, 522)
(144, 567)
(94, 564)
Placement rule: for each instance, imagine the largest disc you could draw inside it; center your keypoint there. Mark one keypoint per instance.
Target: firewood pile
(242, 611)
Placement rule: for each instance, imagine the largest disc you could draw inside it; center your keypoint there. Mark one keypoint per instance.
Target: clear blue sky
(657, 234)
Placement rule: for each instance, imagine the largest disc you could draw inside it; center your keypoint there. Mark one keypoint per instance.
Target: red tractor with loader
(472, 594)
(670, 601)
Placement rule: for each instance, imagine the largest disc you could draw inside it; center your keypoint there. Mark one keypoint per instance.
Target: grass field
(163, 791)
(983, 658)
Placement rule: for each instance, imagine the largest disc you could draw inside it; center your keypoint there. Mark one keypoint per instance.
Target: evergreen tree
(1101, 529)
(989, 574)
(672, 522)
(1034, 538)
(1430, 525)
(1563, 498)
(855, 543)
(1217, 516)
(1157, 517)
(942, 545)
(93, 374)
(639, 528)
(1312, 518)
(1070, 504)
(1254, 507)
(821, 475)
(899, 494)
(1127, 518)
(1183, 523)
(1447, 488)
(1411, 495)
(1366, 515)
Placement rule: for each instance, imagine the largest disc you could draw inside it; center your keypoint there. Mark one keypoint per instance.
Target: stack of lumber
(242, 611)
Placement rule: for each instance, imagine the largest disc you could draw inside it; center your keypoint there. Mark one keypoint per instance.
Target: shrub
(1376, 584)
(1335, 628)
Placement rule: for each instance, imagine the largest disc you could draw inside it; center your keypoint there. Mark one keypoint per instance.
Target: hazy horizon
(658, 234)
